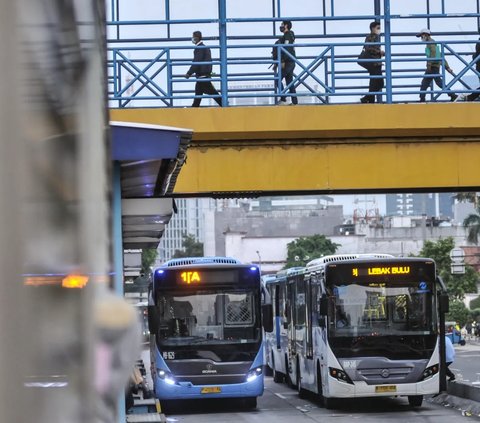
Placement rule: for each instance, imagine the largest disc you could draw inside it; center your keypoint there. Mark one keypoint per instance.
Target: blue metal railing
(149, 72)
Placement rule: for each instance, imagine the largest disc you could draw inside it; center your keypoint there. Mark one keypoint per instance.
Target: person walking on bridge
(374, 68)
(202, 71)
(473, 96)
(432, 51)
(287, 61)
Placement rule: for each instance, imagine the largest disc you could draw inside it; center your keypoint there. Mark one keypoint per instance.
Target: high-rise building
(189, 219)
(439, 205)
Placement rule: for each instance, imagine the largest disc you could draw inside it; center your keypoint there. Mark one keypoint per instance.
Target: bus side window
(281, 301)
(300, 304)
(276, 302)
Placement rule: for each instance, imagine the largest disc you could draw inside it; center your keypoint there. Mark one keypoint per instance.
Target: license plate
(386, 388)
(211, 390)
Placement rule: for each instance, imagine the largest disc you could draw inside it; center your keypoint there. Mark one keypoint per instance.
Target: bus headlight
(167, 377)
(253, 374)
(429, 372)
(339, 375)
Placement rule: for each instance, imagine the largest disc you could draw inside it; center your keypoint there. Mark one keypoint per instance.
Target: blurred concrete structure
(55, 207)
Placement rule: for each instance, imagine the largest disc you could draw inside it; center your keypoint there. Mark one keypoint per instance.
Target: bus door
(278, 314)
(300, 310)
(291, 320)
(309, 291)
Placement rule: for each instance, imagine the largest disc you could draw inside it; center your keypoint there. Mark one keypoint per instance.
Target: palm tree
(468, 197)
(472, 224)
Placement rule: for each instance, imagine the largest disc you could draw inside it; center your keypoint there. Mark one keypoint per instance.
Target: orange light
(74, 281)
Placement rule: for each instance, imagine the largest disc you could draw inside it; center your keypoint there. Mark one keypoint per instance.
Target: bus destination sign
(381, 271)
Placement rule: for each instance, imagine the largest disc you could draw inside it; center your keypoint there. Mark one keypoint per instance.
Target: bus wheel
(415, 400)
(277, 376)
(250, 402)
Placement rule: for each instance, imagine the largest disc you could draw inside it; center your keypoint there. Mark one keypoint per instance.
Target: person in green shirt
(287, 60)
(432, 51)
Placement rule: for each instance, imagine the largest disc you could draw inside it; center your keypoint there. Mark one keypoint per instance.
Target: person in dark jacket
(202, 70)
(476, 94)
(374, 68)
(287, 61)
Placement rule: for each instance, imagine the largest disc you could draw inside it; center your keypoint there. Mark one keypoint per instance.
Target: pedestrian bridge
(324, 149)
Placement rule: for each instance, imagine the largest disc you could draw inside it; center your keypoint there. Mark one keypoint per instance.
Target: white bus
(351, 326)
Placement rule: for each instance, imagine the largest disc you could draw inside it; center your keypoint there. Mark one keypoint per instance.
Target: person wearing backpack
(473, 96)
(374, 68)
(287, 61)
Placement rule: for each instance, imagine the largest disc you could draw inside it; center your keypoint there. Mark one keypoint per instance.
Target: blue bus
(349, 326)
(205, 318)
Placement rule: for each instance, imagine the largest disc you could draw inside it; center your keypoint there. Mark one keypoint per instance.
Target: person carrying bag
(374, 68)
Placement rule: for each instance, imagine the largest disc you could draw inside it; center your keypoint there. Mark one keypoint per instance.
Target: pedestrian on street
(374, 68)
(468, 328)
(202, 70)
(449, 357)
(287, 61)
(432, 73)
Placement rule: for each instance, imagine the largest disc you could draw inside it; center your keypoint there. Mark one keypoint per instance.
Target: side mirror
(443, 303)
(324, 305)
(267, 317)
(153, 320)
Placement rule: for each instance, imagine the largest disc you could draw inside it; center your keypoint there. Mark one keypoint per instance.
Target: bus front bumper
(361, 389)
(186, 390)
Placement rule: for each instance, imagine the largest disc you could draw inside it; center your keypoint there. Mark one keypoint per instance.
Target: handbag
(364, 55)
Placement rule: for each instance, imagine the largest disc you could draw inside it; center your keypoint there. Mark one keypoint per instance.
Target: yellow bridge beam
(350, 148)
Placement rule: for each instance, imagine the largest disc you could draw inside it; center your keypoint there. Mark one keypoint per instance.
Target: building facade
(439, 205)
(190, 218)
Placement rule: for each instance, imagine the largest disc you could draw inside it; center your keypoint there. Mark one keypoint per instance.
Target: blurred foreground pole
(62, 332)
(10, 248)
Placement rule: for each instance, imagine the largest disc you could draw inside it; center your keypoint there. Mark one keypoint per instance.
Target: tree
(468, 197)
(191, 247)
(304, 249)
(472, 224)
(457, 285)
(149, 255)
(458, 313)
(474, 304)
(475, 315)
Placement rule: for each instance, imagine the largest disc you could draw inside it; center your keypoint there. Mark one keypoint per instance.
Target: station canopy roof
(150, 158)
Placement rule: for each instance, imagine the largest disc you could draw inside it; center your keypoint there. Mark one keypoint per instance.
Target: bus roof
(320, 263)
(192, 261)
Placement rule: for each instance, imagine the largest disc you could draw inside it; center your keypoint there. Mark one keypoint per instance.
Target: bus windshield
(380, 308)
(208, 317)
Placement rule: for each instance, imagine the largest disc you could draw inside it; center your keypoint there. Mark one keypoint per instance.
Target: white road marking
(280, 396)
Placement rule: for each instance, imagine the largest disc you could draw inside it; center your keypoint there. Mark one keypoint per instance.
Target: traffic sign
(457, 255)
(457, 269)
